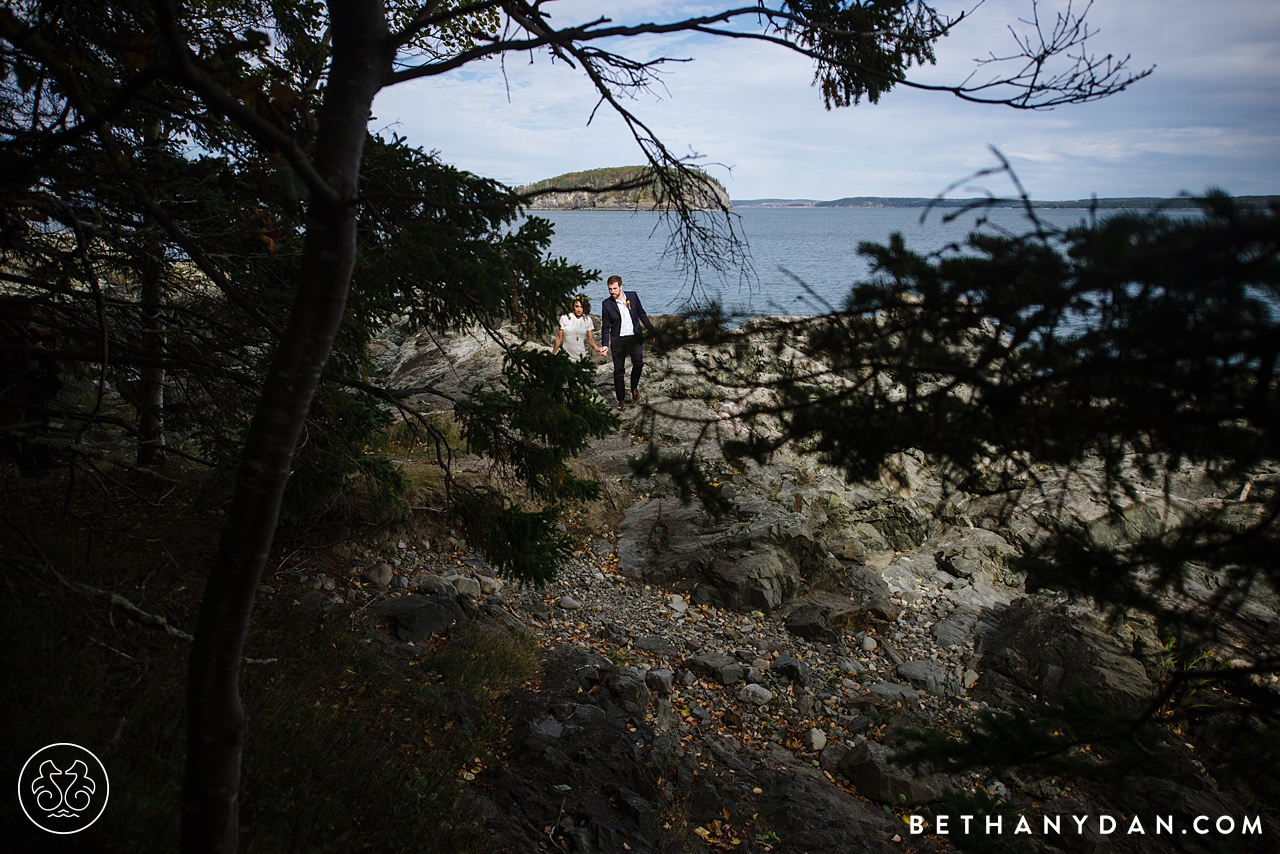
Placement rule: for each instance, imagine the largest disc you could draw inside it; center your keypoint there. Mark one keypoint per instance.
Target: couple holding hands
(621, 316)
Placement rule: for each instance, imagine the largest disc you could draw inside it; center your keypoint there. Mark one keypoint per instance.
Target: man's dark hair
(613, 279)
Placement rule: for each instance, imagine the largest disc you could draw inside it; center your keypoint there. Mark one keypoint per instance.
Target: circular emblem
(63, 788)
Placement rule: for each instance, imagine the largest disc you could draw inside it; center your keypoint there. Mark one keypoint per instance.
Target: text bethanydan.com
(1102, 825)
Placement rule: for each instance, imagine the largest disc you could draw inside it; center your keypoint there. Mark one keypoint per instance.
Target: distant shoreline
(1132, 203)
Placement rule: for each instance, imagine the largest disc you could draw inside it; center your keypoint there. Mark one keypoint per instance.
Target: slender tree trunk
(215, 717)
(151, 396)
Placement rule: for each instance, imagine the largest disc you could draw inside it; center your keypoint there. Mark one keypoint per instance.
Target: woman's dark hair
(586, 304)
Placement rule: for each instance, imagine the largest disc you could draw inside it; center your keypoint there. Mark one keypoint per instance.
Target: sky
(1208, 116)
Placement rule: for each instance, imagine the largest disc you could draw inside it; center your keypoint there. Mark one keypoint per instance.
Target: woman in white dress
(577, 330)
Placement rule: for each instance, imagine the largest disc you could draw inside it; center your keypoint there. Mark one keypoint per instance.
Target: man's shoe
(622, 407)
(635, 395)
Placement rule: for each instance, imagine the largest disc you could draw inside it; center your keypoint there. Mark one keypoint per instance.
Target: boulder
(902, 523)
(581, 718)
(865, 584)
(981, 596)
(715, 665)
(1056, 650)
(416, 617)
(811, 815)
(901, 577)
(966, 553)
(629, 685)
(1163, 796)
(616, 632)
(868, 767)
(824, 616)
(379, 575)
(760, 580)
(660, 681)
(659, 646)
(495, 615)
(660, 539)
(832, 755)
(853, 724)
(905, 474)
(956, 629)
(429, 583)
(467, 586)
(850, 665)
(867, 541)
(756, 695)
(929, 676)
(893, 691)
(792, 668)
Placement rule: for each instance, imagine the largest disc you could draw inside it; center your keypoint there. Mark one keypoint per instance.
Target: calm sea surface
(816, 246)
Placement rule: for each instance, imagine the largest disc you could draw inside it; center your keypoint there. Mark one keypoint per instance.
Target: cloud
(1210, 115)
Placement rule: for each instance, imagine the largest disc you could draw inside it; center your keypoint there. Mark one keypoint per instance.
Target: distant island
(598, 189)
(631, 188)
(1132, 203)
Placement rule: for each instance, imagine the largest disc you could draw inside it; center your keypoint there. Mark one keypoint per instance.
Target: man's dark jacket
(611, 318)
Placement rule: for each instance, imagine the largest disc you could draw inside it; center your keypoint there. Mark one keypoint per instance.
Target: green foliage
(525, 544)
(195, 251)
(1069, 741)
(158, 193)
(1142, 334)
(545, 411)
(331, 462)
(459, 26)
(1132, 350)
(435, 244)
(880, 40)
(601, 180)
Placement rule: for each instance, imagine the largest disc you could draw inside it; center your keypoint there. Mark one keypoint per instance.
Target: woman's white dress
(575, 334)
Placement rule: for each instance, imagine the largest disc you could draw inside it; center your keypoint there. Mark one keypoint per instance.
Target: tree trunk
(151, 391)
(216, 722)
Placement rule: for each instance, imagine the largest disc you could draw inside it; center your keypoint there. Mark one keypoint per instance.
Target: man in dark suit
(621, 316)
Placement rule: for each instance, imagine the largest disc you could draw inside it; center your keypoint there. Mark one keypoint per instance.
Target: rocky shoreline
(734, 682)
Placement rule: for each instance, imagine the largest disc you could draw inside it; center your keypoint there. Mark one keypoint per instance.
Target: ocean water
(801, 260)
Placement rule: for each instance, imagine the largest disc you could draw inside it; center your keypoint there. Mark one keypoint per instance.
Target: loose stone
(755, 694)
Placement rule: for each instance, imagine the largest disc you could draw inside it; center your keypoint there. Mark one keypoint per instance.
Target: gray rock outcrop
(416, 618)
(868, 767)
(1045, 652)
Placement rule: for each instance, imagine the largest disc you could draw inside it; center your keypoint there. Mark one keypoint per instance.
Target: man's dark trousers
(633, 346)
